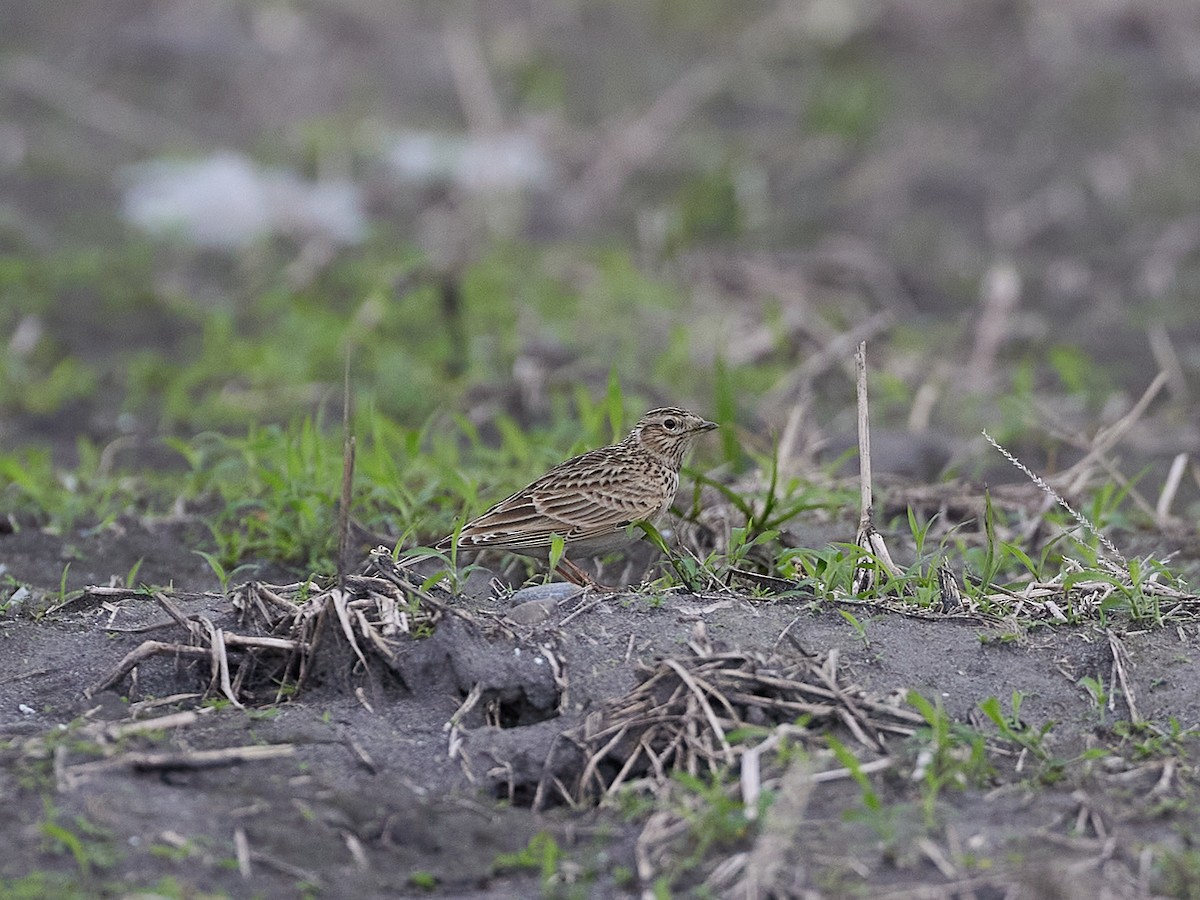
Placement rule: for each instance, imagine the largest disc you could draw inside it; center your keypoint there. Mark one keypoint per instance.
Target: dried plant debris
(281, 637)
(93, 748)
(681, 716)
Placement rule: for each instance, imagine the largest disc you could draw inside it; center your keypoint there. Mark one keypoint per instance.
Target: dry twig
(679, 717)
(371, 612)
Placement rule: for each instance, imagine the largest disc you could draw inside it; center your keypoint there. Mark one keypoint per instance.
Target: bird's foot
(576, 575)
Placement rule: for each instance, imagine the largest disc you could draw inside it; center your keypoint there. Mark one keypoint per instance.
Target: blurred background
(507, 208)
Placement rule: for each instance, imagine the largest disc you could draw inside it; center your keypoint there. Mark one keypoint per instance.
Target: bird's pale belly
(593, 546)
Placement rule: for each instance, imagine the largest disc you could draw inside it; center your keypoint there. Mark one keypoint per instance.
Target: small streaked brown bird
(591, 500)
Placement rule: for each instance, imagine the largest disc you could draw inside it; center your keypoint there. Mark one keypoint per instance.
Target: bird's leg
(576, 575)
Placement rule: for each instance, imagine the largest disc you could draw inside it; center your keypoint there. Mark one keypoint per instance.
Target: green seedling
(881, 818)
(542, 855)
(1012, 728)
(859, 629)
(950, 755)
(558, 549)
(90, 846)
(1096, 691)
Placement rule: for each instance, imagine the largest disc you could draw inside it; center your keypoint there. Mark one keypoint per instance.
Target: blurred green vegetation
(241, 395)
(223, 397)
(271, 353)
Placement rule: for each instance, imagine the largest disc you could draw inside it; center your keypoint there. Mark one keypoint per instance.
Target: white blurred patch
(227, 201)
(493, 163)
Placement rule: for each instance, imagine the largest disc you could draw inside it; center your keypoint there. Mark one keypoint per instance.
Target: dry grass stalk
(1168, 361)
(80, 100)
(1000, 294)
(349, 447)
(1041, 483)
(1105, 439)
(878, 558)
(472, 78)
(242, 848)
(1120, 665)
(1162, 509)
(113, 740)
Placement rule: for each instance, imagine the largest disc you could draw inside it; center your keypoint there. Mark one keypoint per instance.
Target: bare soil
(380, 798)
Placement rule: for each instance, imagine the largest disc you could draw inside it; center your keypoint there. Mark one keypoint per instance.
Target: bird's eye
(670, 424)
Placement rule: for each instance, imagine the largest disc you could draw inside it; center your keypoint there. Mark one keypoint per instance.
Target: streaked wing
(589, 496)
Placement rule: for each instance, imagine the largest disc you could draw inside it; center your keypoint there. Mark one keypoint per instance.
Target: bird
(591, 500)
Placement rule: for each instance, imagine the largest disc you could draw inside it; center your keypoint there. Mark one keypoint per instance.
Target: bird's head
(668, 432)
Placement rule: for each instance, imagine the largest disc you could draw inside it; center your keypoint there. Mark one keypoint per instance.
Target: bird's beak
(706, 426)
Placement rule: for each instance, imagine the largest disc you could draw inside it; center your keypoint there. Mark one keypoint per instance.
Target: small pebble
(531, 612)
(1114, 764)
(554, 592)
